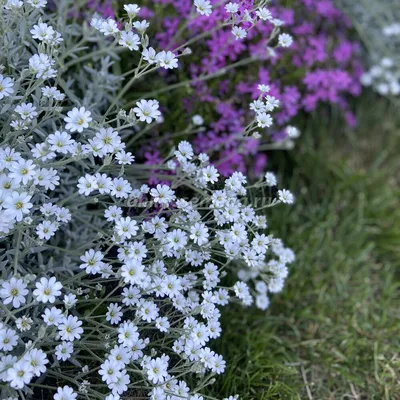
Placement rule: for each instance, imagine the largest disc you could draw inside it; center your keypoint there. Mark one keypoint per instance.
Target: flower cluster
(384, 77)
(379, 28)
(236, 46)
(111, 287)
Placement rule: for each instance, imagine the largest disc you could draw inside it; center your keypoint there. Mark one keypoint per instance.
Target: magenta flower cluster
(322, 66)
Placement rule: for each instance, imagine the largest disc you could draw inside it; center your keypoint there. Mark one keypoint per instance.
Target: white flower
(141, 26)
(162, 194)
(65, 393)
(264, 120)
(8, 339)
(132, 10)
(264, 14)
(69, 300)
(285, 40)
(92, 261)
(197, 120)
(53, 92)
(124, 158)
(176, 239)
(132, 272)
(149, 55)
(285, 196)
(17, 205)
(14, 292)
(37, 360)
(167, 59)
(114, 313)
(126, 227)
(64, 351)
(13, 4)
(127, 333)
(6, 86)
(41, 66)
(262, 302)
(199, 233)
(47, 178)
(147, 110)
(120, 188)
(232, 8)
(77, 119)
(270, 179)
(263, 88)
(96, 22)
(43, 32)
(37, 3)
(26, 110)
(52, 316)
(292, 132)
(109, 27)
(47, 290)
(19, 374)
(22, 171)
(271, 103)
(157, 370)
(162, 324)
(239, 32)
(112, 213)
(130, 40)
(210, 174)
(24, 323)
(110, 371)
(70, 328)
(60, 142)
(203, 7)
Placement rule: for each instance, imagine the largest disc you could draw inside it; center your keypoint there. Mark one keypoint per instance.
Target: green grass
(334, 332)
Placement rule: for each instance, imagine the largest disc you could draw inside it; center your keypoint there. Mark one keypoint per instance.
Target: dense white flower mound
(111, 287)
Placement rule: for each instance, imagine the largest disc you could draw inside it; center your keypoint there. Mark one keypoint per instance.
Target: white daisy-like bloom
(197, 120)
(285, 40)
(13, 4)
(24, 323)
(130, 40)
(132, 10)
(70, 328)
(167, 59)
(292, 132)
(53, 92)
(162, 194)
(109, 27)
(20, 374)
(47, 290)
(14, 292)
(264, 120)
(270, 179)
(77, 119)
(203, 7)
(147, 110)
(26, 110)
(232, 8)
(6, 86)
(65, 393)
(239, 32)
(149, 55)
(141, 26)
(17, 204)
(285, 196)
(264, 14)
(43, 32)
(37, 3)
